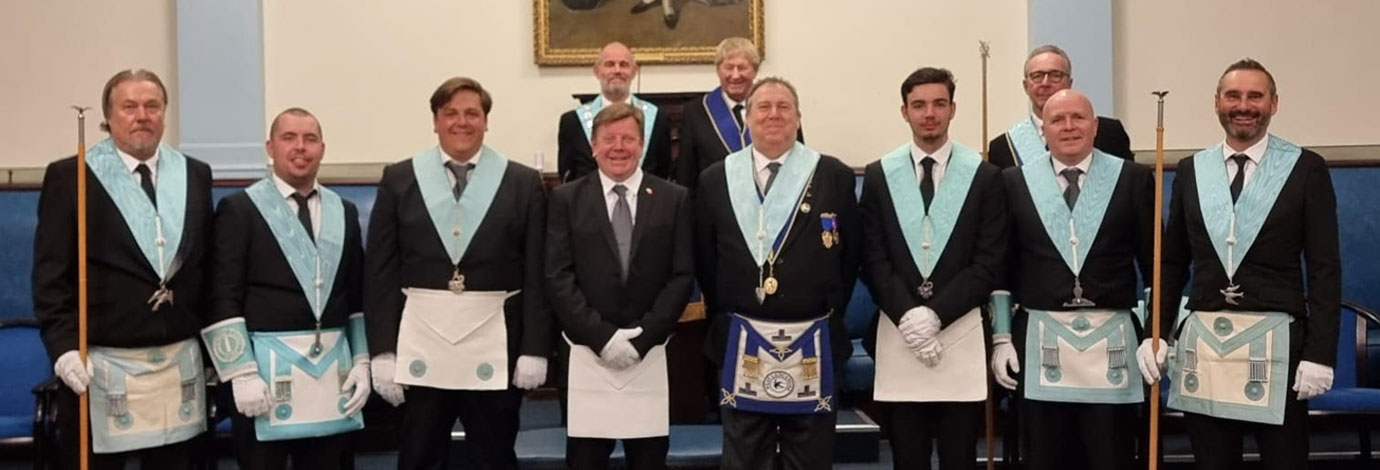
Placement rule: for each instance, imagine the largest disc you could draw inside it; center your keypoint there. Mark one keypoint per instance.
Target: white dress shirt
(132, 163)
(450, 176)
(633, 183)
(759, 166)
(313, 202)
(1085, 164)
(941, 161)
(1256, 152)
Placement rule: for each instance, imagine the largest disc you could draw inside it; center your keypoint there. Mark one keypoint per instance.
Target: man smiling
(616, 68)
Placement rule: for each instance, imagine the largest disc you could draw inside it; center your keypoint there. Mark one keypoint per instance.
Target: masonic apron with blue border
(1235, 364)
(455, 339)
(639, 396)
(151, 396)
(1080, 355)
(305, 369)
(587, 111)
(775, 367)
(733, 136)
(962, 375)
(1025, 141)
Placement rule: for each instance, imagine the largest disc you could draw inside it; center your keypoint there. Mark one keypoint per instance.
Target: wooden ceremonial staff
(84, 409)
(1155, 282)
(990, 411)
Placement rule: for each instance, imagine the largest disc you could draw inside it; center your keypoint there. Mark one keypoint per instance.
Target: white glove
(72, 372)
(251, 395)
(1151, 362)
(918, 325)
(929, 352)
(530, 372)
(1004, 358)
(382, 368)
(358, 380)
(619, 353)
(1312, 379)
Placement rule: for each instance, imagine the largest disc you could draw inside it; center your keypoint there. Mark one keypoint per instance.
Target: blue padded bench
(25, 367)
(695, 446)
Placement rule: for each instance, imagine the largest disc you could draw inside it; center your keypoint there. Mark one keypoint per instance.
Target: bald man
(616, 68)
(1081, 223)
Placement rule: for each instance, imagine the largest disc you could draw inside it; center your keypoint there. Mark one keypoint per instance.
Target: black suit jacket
(251, 276)
(1040, 279)
(1299, 237)
(1111, 138)
(505, 254)
(965, 273)
(120, 279)
(814, 280)
(575, 158)
(700, 145)
(583, 277)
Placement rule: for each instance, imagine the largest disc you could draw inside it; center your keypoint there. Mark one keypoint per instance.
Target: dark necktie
(1071, 192)
(462, 176)
(1239, 181)
(146, 182)
(738, 115)
(774, 168)
(304, 211)
(927, 181)
(622, 226)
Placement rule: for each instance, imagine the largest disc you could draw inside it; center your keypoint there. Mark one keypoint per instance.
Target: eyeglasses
(1054, 76)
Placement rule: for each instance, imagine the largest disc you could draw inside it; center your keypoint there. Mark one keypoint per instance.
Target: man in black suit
(778, 243)
(935, 219)
(455, 293)
(1048, 71)
(287, 270)
(712, 127)
(1082, 225)
(619, 267)
(1251, 217)
(615, 68)
(149, 220)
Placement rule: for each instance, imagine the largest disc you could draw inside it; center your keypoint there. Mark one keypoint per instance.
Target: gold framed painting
(570, 32)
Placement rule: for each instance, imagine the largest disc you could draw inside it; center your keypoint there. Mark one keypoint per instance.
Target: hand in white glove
(359, 381)
(918, 325)
(1004, 359)
(1312, 379)
(251, 395)
(70, 369)
(619, 353)
(530, 372)
(382, 368)
(1151, 362)
(929, 352)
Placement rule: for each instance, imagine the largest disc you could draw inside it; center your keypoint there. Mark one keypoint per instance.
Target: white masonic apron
(1081, 356)
(454, 341)
(638, 396)
(146, 397)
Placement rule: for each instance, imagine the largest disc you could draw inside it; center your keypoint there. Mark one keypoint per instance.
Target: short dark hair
(928, 75)
(614, 112)
(450, 87)
(772, 81)
(1247, 64)
(295, 111)
(131, 75)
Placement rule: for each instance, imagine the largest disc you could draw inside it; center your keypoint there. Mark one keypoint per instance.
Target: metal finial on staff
(1155, 281)
(84, 407)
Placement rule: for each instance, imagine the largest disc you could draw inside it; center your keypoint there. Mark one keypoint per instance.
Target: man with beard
(1252, 216)
(287, 272)
(149, 220)
(777, 251)
(935, 215)
(455, 293)
(615, 68)
(1082, 225)
(1048, 71)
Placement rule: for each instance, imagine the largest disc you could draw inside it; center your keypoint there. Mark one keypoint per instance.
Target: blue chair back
(25, 366)
(1344, 374)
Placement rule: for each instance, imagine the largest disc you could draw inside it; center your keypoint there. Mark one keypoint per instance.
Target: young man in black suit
(619, 268)
(149, 221)
(1048, 71)
(778, 242)
(935, 219)
(1255, 218)
(455, 304)
(615, 68)
(1081, 227)
(287, 271)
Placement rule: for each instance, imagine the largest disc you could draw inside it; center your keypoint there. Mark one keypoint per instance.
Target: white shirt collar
(474, 159)
(1085, 164)
(940, 156)
(760, 161)
(132, 163)
(730, 101)
(1039, 124)
(604, 100)
(633, 182)
(1256, 151)
(286, 190)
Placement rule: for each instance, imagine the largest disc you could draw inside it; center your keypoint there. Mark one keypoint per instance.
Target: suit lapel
(645, 199)
(598, 204)
(803, 219)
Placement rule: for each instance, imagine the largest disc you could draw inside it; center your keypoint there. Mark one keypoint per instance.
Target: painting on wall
(570, 32)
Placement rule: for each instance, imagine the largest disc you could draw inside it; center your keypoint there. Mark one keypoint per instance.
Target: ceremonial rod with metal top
(1153, 454)
(84, 407)
(989, 409)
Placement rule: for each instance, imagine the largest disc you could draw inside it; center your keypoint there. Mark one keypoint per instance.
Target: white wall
(57, 53)
(1322, 54)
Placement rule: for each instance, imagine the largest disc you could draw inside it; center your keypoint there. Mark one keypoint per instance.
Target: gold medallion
(828, 239)
(457, 282)
(771, 285)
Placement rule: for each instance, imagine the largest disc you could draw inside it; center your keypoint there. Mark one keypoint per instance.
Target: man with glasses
(1048, 70)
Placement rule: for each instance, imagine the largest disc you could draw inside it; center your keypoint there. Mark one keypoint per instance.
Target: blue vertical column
(1083, 28)
(220, 82)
